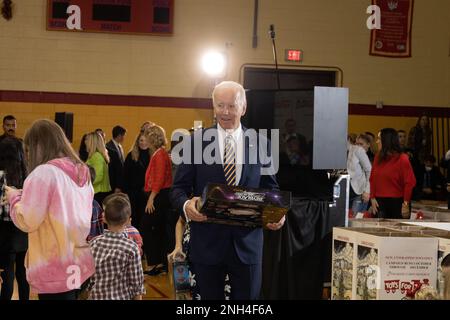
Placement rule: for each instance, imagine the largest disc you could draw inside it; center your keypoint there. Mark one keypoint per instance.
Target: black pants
(390, 208)
(138, 200)
(7, 262)
(245, 279)
(69, 295)
(154, 230)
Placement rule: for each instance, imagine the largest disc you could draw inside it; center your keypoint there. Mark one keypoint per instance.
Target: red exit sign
(293, 55)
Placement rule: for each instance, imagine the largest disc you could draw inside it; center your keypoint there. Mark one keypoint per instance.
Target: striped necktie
(229, 162)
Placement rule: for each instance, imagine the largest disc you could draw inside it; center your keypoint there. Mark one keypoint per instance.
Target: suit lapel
(218, 167)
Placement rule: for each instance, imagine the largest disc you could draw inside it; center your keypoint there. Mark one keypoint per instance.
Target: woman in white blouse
(359, 168)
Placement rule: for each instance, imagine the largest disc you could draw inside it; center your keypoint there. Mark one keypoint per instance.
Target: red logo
(406, 287)
(391, 285)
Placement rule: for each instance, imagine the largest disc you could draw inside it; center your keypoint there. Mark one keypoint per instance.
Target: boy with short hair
(131, 231)
(118, 268)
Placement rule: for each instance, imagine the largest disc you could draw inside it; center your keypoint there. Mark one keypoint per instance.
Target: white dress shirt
(238, 138)
(119, 149)
(239, 145)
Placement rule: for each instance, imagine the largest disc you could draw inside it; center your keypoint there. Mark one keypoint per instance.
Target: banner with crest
(394, 37)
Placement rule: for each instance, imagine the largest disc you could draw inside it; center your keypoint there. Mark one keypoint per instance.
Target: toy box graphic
(344, 258)
(242, 206)
(342, 270)
(392, 265)
(366, 274)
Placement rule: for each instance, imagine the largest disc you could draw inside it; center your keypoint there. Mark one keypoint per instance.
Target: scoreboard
(114, 16)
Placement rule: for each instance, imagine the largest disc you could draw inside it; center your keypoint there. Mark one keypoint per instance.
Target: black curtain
(297, 259)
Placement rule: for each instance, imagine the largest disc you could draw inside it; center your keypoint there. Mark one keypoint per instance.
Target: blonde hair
(45, 141)
(156, 137)
(351, 137)
(135, 149)
(95, 143)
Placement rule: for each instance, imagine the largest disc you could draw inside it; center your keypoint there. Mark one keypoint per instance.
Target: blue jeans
(357, 205)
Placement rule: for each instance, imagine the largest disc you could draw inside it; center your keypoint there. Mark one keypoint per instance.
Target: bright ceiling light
(213, 63)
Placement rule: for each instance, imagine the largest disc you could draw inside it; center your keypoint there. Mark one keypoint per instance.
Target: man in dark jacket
(117, 159)
(430, 182)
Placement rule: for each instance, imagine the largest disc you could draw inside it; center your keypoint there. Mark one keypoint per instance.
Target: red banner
(394, 37)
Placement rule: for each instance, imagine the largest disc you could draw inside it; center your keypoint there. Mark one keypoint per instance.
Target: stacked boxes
(380, 263)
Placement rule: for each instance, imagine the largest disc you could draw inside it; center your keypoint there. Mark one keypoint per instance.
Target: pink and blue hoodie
(55, 209)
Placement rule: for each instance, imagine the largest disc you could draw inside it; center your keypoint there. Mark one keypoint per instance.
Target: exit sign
(293, 55)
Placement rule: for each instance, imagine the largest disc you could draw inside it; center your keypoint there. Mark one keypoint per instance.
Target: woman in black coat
(135, 166)
(13, 242)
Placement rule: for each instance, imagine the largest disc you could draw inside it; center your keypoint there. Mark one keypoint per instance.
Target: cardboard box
(430, 210)
(343, 262)
(443, 251)
(243, 206)
(372, 222)
(381, 263)
(344, 259)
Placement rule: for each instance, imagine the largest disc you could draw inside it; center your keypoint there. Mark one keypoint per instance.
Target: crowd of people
(384, 179)
(96, 211)
(83, 221)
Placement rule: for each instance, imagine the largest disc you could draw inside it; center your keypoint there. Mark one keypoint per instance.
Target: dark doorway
(273, 108)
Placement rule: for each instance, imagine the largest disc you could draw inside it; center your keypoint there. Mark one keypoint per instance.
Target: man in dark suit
(116, 158)
(431, 183)
(9, 127)
(215, 249)
(9, 130)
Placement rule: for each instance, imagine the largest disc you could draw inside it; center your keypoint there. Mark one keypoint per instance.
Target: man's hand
(277, 225)
(191, 211)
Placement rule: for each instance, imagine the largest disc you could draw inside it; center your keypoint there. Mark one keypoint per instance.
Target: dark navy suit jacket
(209, 243)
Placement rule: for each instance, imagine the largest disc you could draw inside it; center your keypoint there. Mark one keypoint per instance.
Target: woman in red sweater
(158, 180)
(392, 179)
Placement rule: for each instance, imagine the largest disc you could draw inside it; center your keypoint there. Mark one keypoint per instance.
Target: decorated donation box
(243, 206)
(381, 263)
(443, 238)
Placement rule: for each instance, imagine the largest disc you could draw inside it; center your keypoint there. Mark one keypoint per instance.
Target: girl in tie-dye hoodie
(54, 208)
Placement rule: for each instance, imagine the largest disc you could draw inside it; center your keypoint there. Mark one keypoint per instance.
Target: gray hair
(239, 90)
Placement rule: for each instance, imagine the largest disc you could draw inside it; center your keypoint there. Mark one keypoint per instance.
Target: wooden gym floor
(157, 287)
